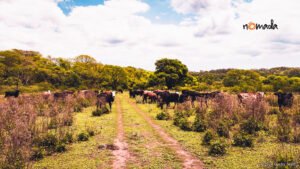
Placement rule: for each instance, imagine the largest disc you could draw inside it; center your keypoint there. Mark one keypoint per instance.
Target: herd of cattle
(102, 97)
(162, 97)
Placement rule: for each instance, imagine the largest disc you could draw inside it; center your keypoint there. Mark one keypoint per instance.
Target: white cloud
(115, 33)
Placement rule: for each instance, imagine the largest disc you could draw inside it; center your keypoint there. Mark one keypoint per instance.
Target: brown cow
(149, 95)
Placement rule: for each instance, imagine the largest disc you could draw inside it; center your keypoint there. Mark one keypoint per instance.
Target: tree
(85, 59)
(243, 80)
(172, 71)
(114, 77)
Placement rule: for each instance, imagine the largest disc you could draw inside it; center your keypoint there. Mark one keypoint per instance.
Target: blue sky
(160, 10)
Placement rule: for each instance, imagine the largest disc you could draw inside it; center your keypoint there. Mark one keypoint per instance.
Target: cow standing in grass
(103, 98)
(167, 98)
(134, 93)
(284, 99)
(194, 95)
(149, 95)
(15, 93)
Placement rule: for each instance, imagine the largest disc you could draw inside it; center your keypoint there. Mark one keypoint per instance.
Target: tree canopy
(171, 71)
(33, 72)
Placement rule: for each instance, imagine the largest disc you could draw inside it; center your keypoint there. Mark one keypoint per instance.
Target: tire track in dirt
(189, 161)
(121, 154)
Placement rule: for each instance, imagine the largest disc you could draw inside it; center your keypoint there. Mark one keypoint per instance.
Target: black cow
(103, 98)
(12, 93)
(193, 95)
(284, 99)
(167, 98)
(134, 93)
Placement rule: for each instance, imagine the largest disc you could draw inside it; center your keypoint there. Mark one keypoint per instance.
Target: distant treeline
(33, 72)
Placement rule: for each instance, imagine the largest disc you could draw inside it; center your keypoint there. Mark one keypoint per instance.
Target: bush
(184, 124)
(163, 116)
(61, 147)
(285, 159)
(68, 138)
(83, 137)
(99, 112)
(38, 153)
(242, 140)
(48, 141)
(177, 117)
(251, 126)
(208, 137)
(223, 130)
(91, 132)
(199, 124)
(284, 130)
(217, 149)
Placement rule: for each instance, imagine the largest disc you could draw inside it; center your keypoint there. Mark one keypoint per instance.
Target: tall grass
(33, 126)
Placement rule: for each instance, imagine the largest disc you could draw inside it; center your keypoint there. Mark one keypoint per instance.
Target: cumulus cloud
(117, 33)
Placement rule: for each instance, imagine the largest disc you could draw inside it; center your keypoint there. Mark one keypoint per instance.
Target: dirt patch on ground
(189, 161)
(120, 147)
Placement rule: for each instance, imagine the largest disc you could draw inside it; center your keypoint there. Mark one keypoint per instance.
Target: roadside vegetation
(227, 135)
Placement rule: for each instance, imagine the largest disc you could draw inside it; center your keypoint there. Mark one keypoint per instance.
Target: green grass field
(81, 155)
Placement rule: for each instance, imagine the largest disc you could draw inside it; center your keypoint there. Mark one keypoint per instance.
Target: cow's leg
(161, 105)
(110, 105)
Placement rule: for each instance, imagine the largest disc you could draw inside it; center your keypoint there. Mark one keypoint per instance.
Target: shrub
(38, 153)
(184, 124)
(251, 126)
(285, 159)
(208, 137)
(243, 140)
(223, 130)
(177, 117)
(49, 141)
(91, 132)
(217, 149)
(99, 112)
(61, 147)
(284, 130)
(83, 137)
(68, 138)
(163, 116)
(199, 124)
